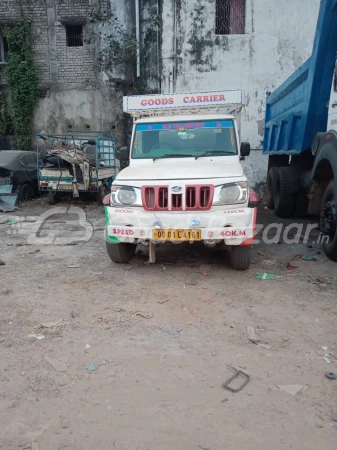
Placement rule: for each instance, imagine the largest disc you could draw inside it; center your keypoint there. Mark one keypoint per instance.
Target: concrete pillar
(51, 19)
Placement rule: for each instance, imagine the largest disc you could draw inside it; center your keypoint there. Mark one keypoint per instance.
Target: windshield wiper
(178, 155)
(214, 152)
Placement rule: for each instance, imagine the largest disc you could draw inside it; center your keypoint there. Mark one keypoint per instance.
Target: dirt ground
(168, 334)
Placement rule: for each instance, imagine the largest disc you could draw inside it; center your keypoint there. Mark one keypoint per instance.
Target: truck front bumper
(233, 226)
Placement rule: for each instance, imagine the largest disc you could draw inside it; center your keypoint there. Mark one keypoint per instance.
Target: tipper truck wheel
(301, 204)
(121, 253)
(284, 198)
(271, 181)
(240, 257)
(329, 222)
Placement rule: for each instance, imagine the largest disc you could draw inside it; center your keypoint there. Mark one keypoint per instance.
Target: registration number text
(177, 235)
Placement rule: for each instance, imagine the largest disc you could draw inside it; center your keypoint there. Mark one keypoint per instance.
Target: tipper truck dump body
(300, 105)
(300, 136)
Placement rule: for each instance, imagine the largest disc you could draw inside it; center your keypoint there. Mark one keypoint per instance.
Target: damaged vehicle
(75, 163)
(18, 173)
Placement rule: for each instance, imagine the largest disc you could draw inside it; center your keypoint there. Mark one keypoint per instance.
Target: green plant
(119, 52)
(4, 116)
(21, 76)
(118, 55)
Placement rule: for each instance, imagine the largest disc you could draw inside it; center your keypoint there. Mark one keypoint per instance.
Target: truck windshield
(190, 139)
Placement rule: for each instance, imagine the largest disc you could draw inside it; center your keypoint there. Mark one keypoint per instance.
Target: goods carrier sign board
(182, 100)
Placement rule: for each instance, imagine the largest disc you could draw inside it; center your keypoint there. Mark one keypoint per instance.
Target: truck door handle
(334, 105)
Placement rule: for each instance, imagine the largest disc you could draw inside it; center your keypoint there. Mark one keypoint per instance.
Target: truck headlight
(126, 195)
(231, 193)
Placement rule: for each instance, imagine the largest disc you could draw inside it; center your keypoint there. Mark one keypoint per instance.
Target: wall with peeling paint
(279, 37)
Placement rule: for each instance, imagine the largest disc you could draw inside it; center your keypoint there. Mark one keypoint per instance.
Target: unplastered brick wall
(76, 65)
(80, 8)
(40, 40)
(72, 8)
(10, 13)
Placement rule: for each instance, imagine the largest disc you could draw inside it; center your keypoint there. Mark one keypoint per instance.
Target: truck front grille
(196, 198)
(163, 198)
(177, 202)
(155, 198)
(199, 197)
(149, 197)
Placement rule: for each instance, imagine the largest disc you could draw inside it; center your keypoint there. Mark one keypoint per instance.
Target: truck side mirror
(124, 154)
(245, 149)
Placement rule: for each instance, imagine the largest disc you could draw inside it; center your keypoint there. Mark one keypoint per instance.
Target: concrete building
(249, 44)
(185, 45)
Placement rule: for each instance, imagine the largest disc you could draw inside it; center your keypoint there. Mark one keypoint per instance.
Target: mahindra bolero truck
(185, 180)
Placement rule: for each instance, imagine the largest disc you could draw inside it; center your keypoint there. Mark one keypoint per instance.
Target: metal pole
(158, 58)
(137, 36)
(174, 65)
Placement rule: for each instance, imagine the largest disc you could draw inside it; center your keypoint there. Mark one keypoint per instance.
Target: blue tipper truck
(300, 135)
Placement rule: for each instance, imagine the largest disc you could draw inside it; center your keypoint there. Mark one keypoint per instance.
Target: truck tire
(329, 222)
(101, 193)
(121, 253)
(301, 204)
(51, 197)
(240, 257)
(271, 180)
(284, 198)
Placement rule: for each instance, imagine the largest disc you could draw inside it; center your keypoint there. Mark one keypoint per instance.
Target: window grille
(230, 16)
(74, 35)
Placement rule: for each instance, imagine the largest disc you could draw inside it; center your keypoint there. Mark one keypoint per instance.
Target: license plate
(65, 187)
(176, 235)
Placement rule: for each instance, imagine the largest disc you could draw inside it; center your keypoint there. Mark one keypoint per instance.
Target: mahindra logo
(176, 189)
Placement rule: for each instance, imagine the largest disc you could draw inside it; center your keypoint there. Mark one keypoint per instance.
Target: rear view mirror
(124, 154)
(245, 149)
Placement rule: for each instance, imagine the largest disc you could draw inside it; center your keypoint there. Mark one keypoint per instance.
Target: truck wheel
(51, 197)
(301, 204)
(121, 253)
(329, 222)
(284, 199)
(240, 257)
(271, 181)
(101, 193)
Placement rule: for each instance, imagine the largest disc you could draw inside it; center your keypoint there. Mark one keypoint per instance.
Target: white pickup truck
(184, 181)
